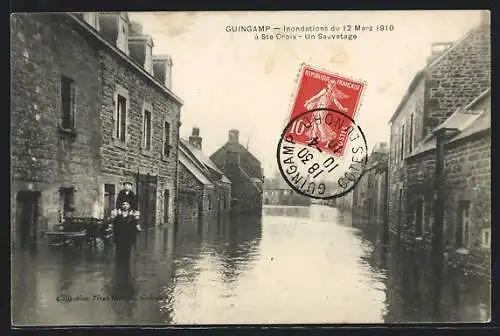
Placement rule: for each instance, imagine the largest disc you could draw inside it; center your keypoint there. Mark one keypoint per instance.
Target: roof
(481, 123)
(464, 116)
(193, 168)
(89, 29)
(240, 147)
(466, 121)
(421, 74)
(201, 159)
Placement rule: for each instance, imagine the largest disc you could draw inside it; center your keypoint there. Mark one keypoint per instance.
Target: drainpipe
(442, 135)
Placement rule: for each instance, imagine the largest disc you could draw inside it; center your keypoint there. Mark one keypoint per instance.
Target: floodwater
(290, 265)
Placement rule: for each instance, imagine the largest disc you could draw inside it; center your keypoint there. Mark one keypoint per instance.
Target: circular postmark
(322, 153)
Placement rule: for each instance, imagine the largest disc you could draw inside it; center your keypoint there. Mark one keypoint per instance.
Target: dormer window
(122, 38)
(92, 18)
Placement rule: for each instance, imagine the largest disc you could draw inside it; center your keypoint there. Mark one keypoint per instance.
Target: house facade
(86, 115)
(419, 184)
(278, 192)
(140, 120)
(244, 171)
(368, 198)
(204, 190)
(464, 153)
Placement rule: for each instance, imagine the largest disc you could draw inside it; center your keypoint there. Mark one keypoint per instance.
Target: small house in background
(204, 190)
(245, 172)
(278, 192)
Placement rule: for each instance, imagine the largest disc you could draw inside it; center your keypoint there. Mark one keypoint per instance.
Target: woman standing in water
(322, 100)
(124, 232)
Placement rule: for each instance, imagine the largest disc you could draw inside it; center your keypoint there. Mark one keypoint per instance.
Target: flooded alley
(292, 265)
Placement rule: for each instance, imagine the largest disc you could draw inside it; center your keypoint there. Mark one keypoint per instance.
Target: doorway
(146, 193)
(28, 203)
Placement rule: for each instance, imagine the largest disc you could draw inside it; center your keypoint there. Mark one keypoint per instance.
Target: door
(146, 194)
(109, 199)
(27, 218)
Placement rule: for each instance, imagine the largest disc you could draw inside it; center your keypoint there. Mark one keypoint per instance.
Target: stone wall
(468, 178)
(420, 185)
(191, 192)
(248, 199)
(43, 48)
(458, 77)
(121, 162)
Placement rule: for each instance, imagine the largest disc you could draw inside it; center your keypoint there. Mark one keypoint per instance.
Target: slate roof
(466, 120)
(202, 159)
(193, 168)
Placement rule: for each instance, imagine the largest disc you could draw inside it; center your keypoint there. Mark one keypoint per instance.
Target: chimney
(135, 28)
(114, 27)
(437, 49)
(485, 17)
(141, 47)
(162, 69)
(234, 136)
(195, 138)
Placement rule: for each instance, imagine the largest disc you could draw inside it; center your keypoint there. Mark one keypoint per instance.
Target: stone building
(245, 172)
(139, 118)
(278, 192)
(453, 79)
(465, 139)
(204, 190)
(368, 198)
(87, 113)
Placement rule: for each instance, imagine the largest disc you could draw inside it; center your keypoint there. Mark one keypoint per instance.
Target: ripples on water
(291, 265)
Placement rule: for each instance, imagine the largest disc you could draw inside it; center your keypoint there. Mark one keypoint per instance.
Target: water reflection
(412, 286)
(290, 265)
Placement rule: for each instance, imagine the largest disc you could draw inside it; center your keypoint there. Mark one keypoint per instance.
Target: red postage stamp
(320, 90)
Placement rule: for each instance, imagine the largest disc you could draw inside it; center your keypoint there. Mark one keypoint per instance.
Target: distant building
(368, 198)
(244, 171)
(439, 169)
(88, 113)
(278, 192)
(204, 190)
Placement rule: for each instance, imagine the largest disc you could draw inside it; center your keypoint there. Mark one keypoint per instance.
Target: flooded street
(292, 265)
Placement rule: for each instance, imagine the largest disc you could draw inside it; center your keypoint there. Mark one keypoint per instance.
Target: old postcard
(205, 168)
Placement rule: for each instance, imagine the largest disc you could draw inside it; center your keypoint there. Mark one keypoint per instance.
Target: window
(419, 217)
(92, 19)
(121, 118)
(147, 130)
(463, 225)
(402, 149)
(109, 199)
(166, 202)
(166, 138)
(122, 38)
(66, 196)
(410, 144)
(67, 103)
(486, 238)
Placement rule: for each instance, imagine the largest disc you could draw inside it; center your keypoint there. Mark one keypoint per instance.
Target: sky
(230, 80)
